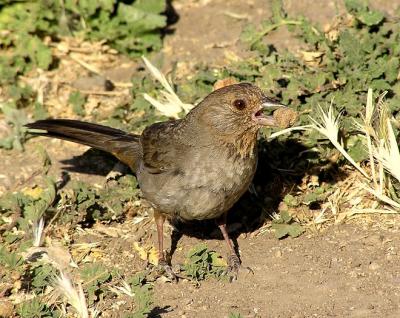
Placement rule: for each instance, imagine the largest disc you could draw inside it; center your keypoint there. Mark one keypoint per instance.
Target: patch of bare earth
(347, 270)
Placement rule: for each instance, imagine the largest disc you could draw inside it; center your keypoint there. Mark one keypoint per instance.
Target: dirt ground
(347, 270)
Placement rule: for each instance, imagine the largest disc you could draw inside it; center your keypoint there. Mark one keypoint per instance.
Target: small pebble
(374, 266)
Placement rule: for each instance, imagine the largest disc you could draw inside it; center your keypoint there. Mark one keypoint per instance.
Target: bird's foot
(167, 271)
(233, 267)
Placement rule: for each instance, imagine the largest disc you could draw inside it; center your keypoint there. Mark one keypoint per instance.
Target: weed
(77, 100)
(132, 27)
(142, 292)
(9, 259)
(94, 276)
(35, 308)
(202, 263)
(285, 225)
(235, 315)
(16, 120)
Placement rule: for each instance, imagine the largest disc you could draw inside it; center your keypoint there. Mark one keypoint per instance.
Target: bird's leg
(233, 260)
(160, 219)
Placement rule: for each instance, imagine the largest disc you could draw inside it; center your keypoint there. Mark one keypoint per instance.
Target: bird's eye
(239, 104)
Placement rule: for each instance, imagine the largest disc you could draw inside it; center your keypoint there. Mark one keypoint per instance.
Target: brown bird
(193, 168)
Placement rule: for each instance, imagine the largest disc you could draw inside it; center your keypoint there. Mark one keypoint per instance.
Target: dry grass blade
(376, 211)
(74, 296)
(382, 197)
(288, 130)
(124, 289)
(328, 125)
(170, 105)
(38, 232)
(369, 112)
(388, 154)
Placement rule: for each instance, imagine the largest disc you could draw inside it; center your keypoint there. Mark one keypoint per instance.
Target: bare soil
(347, 270)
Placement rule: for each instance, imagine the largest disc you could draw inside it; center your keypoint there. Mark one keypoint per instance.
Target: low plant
(202, 263)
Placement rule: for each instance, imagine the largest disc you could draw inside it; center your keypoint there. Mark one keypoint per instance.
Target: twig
(105, 93)
(123, 84)
(89, 67)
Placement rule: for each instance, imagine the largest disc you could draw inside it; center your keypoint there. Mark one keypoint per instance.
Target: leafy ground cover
(336, 64)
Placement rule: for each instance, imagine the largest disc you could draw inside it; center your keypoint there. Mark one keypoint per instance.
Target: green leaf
(34, 309)
(356, 5)
(235, 315)
(16, 119)
(285, 226)
(286, 217)
(77, 100)
(310, 198)
(371, 18)
(143, 297)
(40, 112)
(357, 149)
(360, 9)
(249, 34)
(283, 230)
(10, 259)
(151, 6)
(278, 12)
(140, 20)
(295, 230)
(94, 275)
(137, 280)
(42, 276)
(43, 56)
(202, 263)
(380, 85)
(290, 200)
(197, 250)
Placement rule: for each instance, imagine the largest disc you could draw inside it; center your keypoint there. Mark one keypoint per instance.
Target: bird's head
(237, 109)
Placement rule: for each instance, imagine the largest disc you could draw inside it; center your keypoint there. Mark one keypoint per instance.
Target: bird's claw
(233, 267)
(167, 270)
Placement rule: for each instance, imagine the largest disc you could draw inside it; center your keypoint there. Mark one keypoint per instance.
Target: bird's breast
(204, 185)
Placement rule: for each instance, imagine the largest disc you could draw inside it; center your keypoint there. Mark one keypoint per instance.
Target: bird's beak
(268, 106)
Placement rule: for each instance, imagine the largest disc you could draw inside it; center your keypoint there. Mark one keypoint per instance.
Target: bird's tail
(122, 145)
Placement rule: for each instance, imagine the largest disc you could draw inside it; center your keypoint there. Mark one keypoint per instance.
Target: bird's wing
(160, 147)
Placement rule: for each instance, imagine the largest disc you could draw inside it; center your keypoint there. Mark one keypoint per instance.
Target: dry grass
(328, 124)
(288, 130)
(38, 232)
(169, 104)
(72, 294)
(382, 168)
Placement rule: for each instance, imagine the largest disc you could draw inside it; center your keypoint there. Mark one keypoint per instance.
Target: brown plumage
(194, 168)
